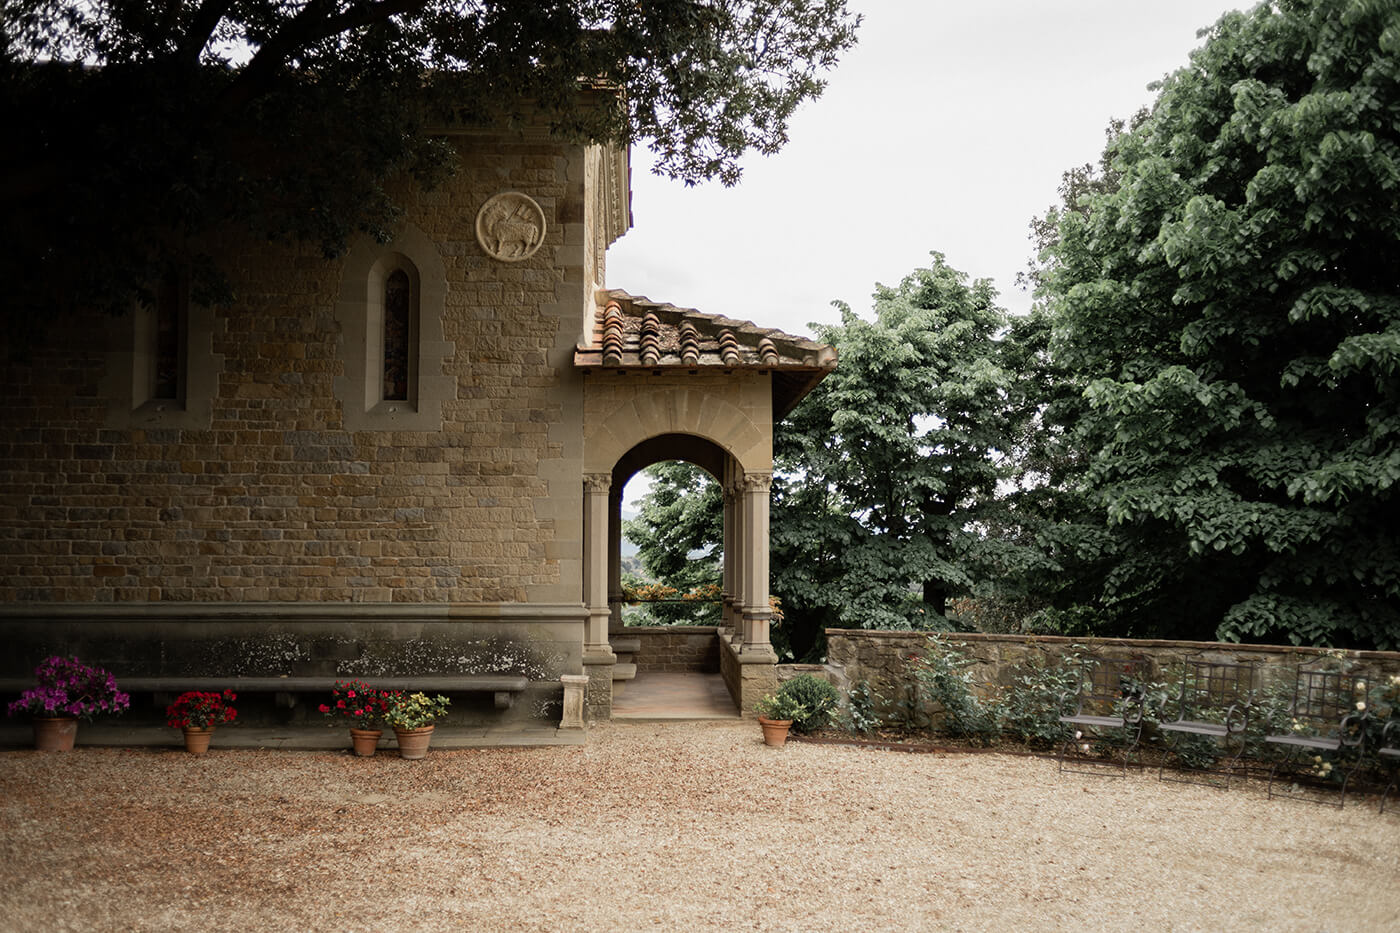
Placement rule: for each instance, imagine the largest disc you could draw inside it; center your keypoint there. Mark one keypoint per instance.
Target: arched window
(166, 374)
(167, 341)
(390, 311)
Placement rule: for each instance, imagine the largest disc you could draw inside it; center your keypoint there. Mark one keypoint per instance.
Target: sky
(946, 129)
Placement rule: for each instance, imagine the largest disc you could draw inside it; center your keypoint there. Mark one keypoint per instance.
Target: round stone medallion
(510, 227)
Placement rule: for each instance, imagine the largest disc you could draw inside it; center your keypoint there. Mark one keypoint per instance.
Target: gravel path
(691, 826)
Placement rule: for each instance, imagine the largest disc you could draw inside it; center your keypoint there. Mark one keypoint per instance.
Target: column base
(750, 673)
(598, 694)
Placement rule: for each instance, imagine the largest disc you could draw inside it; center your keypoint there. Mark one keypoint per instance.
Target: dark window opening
(397, 305)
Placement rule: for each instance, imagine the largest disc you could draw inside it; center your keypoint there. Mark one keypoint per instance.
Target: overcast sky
(947, 128)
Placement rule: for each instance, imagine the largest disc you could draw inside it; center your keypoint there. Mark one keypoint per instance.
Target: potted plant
(411, 716)
(197, 713)
(776, 711)
(67, 690)
(362, 707)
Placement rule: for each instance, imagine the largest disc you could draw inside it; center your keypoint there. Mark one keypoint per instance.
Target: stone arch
(747, 657)
(733, 414)
(706, 455)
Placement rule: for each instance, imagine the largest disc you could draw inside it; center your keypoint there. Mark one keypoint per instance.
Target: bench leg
(504, 699)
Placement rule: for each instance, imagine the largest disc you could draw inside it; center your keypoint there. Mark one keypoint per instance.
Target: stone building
(403, 463)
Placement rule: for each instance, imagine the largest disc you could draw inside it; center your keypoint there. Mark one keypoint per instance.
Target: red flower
(350, 694)
(340, 704)
(324, 708)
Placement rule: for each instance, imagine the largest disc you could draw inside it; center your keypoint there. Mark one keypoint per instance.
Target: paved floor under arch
(657, 695)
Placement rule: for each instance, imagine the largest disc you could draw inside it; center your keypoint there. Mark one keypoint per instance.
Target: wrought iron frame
(1210, 690)
(1110, 696)
(1388, 754)
(1327, 722)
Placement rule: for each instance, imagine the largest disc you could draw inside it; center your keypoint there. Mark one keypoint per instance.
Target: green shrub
(1029, 710)
(817, 696)
(943, 670)
(862, 715)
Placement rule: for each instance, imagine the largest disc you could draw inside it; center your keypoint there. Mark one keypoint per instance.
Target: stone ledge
(310, 738)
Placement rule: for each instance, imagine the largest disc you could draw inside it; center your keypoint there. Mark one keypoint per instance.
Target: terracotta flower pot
(413, 743)
(55, 735)
(197, 740)
(365, 741)
(775, 731)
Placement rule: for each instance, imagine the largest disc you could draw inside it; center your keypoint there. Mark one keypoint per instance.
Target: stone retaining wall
(882, 658)
(677, 648)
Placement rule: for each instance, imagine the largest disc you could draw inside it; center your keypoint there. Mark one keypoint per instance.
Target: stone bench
(503, 686)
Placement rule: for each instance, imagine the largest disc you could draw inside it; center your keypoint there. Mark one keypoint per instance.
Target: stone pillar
(598, 657)
(574, 687)
(731, 559)
(615, 559)
(757, 612)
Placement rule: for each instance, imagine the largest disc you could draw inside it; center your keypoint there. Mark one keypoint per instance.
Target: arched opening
(672, 544)
(697, 451)
(743, 613)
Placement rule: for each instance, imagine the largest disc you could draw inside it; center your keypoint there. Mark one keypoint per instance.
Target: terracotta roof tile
(635, 333)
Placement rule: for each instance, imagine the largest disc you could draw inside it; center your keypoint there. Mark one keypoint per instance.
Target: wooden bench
(1110, 697)
(504, 687)
(1214, 704)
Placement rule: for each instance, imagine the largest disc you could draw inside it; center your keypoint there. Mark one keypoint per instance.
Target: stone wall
(271, 497)
(881, 658)
(677, 648)
(282, 480)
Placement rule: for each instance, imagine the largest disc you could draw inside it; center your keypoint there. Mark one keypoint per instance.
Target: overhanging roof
(636, 334)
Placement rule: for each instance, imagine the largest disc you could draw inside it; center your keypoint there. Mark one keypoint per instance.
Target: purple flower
(67, 686)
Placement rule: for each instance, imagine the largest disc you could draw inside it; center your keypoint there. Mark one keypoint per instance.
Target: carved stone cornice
(597, 482)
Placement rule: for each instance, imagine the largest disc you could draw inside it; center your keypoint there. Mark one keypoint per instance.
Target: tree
(149, 125)
(1229, 304)
(679, 534)
(887, 500)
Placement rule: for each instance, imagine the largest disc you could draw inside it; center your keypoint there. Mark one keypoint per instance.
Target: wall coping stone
(1197, 646)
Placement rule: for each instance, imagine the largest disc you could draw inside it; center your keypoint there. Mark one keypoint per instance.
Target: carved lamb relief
(510, 227)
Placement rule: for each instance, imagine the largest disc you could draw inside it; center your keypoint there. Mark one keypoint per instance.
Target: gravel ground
(650, 826)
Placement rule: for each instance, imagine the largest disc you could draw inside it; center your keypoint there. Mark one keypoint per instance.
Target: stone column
(595, 563)
(615, 559)
(757, 612)
(737, 599)
(731, 560)
(598, 657)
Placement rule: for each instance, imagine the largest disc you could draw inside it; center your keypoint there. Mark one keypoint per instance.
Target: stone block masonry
(273, 498)
(676, 648)
(881, 659)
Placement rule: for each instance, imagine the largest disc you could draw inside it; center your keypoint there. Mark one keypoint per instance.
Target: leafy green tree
(679, 534)
(149, 126)
(887, 501)
(1228, 301)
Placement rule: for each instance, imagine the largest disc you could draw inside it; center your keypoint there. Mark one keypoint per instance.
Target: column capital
(597, 482)
(757, 482)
